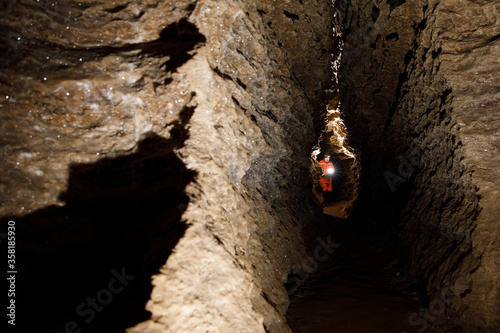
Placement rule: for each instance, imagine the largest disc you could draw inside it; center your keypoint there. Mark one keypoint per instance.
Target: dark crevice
(191, 7)
(254, 119)
(445, 95)
(121, 217)
(395, 3)
(116, 9)
(238, 104)
(392, 36)
(290, 15)
(493, 39)
(374, 44)
(421, 25)
(222, 75)
(436, 53)
(375, 13)
(228, 77)
(268, 300)
(218, 240)
(424, 54)
(268, 113)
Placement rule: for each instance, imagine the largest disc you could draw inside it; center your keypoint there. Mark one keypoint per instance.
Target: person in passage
(326, 176)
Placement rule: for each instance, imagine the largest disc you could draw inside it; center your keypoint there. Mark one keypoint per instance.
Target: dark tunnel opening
(88, 264)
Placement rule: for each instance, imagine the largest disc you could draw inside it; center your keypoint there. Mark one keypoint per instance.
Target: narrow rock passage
(357, 290)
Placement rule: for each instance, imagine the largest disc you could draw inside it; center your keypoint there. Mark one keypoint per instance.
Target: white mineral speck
(25, 155)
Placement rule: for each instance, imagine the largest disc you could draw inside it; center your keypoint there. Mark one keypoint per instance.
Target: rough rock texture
(167, 139)
(347, 168)
(170, 141)
(420, 83)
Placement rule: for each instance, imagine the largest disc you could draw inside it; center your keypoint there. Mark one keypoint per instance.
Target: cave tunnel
(160, 166)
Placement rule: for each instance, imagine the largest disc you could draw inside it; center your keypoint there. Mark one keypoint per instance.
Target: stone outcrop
(420, 85)
(168, 139)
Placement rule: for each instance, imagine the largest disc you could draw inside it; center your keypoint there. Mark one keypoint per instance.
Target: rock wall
(420, 86)
(169, 141)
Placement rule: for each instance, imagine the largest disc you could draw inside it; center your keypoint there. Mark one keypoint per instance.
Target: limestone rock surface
(420, 86)
(171, 138)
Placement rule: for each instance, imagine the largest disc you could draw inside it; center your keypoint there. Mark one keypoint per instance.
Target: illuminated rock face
(420, 86)
(171, 138)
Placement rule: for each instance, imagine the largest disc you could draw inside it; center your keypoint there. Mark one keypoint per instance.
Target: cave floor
(357, 290)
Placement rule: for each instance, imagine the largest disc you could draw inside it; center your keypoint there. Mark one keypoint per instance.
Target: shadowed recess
(395, 3)
(90, 262)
